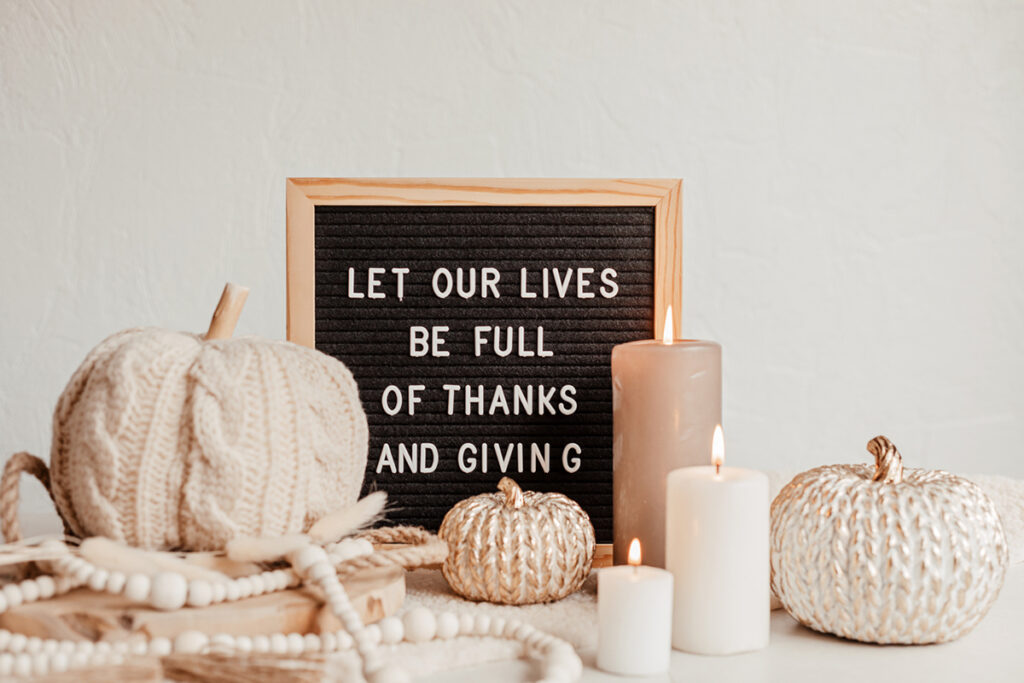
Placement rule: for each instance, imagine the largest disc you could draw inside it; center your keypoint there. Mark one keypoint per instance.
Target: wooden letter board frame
(305, 194)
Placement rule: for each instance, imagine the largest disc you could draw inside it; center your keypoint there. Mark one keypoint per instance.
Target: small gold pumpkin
(517, 547)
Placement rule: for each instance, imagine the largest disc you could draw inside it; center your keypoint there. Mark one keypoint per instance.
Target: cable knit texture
(164, 440)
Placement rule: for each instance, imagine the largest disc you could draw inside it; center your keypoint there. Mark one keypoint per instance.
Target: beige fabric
(163, 440)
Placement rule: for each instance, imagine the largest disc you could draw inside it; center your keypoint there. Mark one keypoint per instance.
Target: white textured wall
(854, 218)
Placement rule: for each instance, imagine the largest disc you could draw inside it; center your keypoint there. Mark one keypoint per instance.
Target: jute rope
(424, 548)
(10, 494)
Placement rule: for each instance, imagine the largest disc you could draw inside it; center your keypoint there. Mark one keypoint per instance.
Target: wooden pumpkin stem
(225, 317)
(888, 461)
(513, 494)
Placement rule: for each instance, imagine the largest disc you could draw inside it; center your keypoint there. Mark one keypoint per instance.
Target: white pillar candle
(717, 523)
(634, 614)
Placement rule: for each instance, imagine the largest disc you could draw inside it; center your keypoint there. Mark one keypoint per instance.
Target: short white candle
(634, 614)
(717, 522)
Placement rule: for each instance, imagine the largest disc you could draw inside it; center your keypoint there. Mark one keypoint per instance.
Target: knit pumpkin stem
(513, 494)
(888, 461)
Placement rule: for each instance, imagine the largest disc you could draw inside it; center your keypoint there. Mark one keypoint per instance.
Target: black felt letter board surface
(481, 338)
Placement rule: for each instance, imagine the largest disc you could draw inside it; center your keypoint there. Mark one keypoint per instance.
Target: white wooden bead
(116, 582)
(497, 627)
(231, 591)
(320, 571)
(218, 591)
(243, 644)
(33, 645)
(329, 641)
(260, 644)
(222, 642)
(258, 584)
(278, 643)
(420, 625)
(40, 664)
(51, 646)
(345, 641)
(80, 660)
(391, 630)
(482, 625)
(284, 578)
(447, 625)
(29, 591)
(312, 643)
(372, 634)
(296, 644)
(308, 556)
(85, 647)
(160, 646)
(389, 673)
(566, 659)
(5, 638)
(23, 665)
(83, 574)
(467, 624)
(139, 647)
(66, 646)
(523, 631)
(63, 584)
(59, 662)
(6, 665)
(17, 643)
(200, 593)
(104, 648)
(98, 580)
(136, 588)
(3, 602)
(190, 642)
(13, 595)
(46, 586)
(121, 647)
(244, 587)
(169, 591)
(73, 564)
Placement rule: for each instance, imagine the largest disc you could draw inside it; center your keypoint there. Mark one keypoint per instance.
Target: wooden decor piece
(86, 615)
(478, 318)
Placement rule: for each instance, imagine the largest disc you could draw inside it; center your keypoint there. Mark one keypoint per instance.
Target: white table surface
(992, 652)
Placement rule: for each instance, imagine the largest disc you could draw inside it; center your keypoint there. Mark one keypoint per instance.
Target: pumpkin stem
(228, 309)
(513, 494)
(888, 461)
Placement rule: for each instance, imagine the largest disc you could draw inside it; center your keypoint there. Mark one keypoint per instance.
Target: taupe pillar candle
(667, 401)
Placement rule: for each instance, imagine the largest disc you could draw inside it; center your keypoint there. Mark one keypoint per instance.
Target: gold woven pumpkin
(517, 547)
(886, 555)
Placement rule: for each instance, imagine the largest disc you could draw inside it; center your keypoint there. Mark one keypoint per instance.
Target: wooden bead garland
(23, 656)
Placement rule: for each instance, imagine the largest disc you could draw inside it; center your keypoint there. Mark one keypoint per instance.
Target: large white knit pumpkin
(166, 440)
(886, 555)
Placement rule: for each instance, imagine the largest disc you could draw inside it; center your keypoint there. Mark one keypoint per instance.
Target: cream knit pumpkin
(164, 440)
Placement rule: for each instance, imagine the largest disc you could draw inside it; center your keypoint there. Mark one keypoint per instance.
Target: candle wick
(718, 468)
(634, 570)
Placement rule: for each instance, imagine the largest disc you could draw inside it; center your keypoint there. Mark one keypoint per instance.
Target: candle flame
(718, 449)
(668, 333)
(634, 553)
